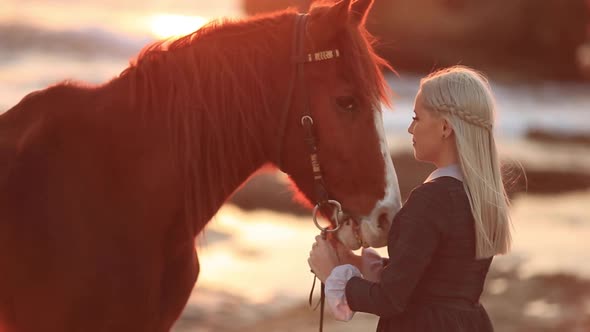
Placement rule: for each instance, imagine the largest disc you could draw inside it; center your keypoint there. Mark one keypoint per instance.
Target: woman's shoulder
(438, 189)
(428, 204)
(438, 195)
(433, 201)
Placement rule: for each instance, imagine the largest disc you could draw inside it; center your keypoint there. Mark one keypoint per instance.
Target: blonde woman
(442, 241)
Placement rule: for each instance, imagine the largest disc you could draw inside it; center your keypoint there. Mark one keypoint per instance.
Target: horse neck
(220, 110)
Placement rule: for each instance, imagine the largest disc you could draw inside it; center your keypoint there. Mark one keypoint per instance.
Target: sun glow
(166, 26)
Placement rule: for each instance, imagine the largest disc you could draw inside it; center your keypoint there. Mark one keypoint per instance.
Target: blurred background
(253, 255)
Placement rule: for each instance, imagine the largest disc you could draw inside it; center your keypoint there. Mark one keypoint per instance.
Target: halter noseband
(299, 59)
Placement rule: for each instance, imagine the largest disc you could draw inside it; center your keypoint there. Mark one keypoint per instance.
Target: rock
(268, 190)
(525, 38)
(547, 136)
(549, 182)
(271, 190)
(252, 7)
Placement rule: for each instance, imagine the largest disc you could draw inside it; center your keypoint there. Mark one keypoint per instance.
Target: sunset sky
(157, 18)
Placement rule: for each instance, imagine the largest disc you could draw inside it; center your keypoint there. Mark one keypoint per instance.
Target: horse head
(333, 117)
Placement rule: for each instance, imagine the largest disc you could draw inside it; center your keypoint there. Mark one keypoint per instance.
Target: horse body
(93, 201)
(103, 189)
(78, 226)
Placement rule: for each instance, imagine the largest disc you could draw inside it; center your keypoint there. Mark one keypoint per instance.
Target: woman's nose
(411, 128)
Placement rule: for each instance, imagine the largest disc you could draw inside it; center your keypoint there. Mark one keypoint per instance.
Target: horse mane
(193, 81)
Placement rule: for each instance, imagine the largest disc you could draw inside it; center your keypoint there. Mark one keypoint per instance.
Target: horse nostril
(383, 221)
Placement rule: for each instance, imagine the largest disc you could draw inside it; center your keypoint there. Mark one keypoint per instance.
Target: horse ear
(360, 10)
(328, 21)
(338, 13)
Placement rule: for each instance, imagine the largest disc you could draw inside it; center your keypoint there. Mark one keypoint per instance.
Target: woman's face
(427, 132)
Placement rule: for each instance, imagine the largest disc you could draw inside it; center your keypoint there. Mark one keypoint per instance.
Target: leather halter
(298, 60)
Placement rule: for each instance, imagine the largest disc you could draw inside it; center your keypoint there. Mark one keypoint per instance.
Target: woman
(442, 241)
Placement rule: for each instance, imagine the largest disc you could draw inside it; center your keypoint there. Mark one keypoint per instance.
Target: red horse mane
(193, 80)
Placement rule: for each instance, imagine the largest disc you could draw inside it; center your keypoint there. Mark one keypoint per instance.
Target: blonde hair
(464, 98)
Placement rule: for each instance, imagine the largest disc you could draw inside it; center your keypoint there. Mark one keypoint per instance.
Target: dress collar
(453, 171)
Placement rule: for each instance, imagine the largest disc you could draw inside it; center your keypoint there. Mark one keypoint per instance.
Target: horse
(104, 188)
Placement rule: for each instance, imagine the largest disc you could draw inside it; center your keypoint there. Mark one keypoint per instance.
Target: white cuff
(371, 264)
(335, 291)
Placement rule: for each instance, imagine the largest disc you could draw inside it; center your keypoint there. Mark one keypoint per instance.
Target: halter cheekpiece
(298, 60)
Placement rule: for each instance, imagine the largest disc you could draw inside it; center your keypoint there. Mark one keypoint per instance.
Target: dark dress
(432, 281)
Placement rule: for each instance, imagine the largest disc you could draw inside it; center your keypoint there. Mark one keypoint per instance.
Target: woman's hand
(345, 255)
(322, 258)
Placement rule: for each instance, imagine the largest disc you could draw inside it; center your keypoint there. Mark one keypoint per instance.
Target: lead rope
(322, 301)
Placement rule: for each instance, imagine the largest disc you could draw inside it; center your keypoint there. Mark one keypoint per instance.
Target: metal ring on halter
(306, 117)
(338, 214)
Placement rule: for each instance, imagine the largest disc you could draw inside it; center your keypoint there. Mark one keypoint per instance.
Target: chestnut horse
(104, 188)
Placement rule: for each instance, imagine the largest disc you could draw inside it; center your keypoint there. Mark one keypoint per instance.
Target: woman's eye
(414, 118)
(347, 103)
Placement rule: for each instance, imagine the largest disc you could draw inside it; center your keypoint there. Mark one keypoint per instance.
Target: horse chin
(373, 235)
(347, 235)
(356, 234)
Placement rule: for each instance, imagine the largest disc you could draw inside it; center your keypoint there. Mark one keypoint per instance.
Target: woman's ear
(447, 129)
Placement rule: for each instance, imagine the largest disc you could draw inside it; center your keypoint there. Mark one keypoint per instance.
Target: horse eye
(347, 103)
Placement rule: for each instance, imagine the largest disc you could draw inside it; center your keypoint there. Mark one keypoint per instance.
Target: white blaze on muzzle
(372, 230)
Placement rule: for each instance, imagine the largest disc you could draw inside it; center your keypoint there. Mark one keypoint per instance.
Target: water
(553, 106)
(43, 42)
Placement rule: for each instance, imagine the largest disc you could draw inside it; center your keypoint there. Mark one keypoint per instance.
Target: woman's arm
(413, 240)
(369, 265)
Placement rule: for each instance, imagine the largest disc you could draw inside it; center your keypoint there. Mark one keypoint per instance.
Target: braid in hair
(466, 116)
